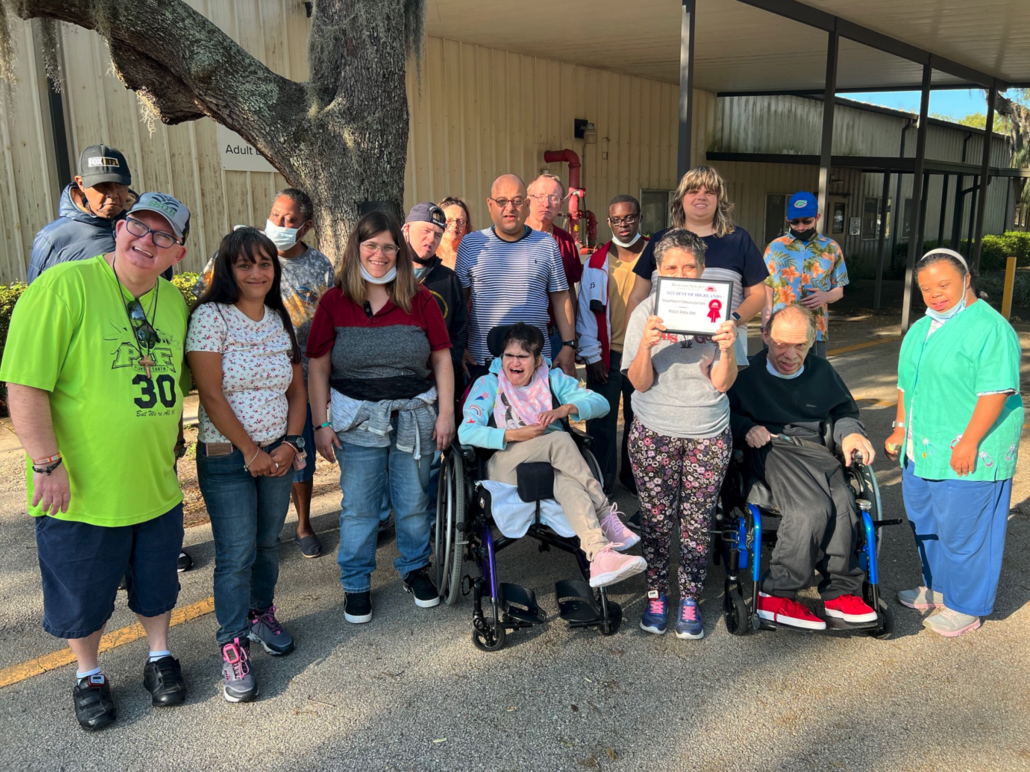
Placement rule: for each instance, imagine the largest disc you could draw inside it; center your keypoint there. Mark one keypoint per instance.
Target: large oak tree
(342, 136)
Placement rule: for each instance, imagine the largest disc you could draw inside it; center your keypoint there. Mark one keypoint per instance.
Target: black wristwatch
(570, 343)
(296, 440)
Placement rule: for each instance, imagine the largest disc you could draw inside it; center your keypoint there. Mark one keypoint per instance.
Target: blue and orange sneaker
(656, 615)
(688, 623)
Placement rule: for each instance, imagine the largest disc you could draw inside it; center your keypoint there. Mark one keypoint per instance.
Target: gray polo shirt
(682, 402)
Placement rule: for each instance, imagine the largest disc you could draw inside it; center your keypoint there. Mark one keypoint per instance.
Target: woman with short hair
(459, 223)
(244, 355)
(680, 441)
(957, 433)
(380, 354)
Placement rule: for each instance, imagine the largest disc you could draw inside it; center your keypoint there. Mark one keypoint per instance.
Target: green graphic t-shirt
(116, 428)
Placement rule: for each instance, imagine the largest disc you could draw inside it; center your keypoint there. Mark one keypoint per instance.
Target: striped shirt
(511, 282)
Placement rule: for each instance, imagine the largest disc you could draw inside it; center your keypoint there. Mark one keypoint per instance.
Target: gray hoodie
(74, 235)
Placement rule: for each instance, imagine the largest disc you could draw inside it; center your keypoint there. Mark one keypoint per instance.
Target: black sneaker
(422, 588)
(185, 562)
(357, 607)
(163, 679)
(93, 705)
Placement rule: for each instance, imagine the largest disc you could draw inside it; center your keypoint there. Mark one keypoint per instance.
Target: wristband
(47, 470)
(326, 425)
(46, 461)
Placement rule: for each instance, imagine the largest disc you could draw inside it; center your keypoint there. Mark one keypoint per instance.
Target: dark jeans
(605, 429)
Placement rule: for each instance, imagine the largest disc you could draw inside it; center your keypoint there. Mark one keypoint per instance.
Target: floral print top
(256, 368)
(797, 266)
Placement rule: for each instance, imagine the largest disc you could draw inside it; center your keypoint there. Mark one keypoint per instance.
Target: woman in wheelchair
(510, 410)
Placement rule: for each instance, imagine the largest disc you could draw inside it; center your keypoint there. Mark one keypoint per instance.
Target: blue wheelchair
(467, 544)
(746, 518)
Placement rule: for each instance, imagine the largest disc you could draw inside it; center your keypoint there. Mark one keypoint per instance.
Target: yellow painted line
(860, 346)
(34, 667)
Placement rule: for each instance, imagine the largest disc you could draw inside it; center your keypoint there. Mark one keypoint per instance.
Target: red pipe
(576, 193)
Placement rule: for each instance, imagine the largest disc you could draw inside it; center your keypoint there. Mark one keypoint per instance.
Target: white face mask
(283, 238)
(389, 277)
(626, 244)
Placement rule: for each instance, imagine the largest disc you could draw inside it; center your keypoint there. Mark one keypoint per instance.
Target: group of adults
(365, 363)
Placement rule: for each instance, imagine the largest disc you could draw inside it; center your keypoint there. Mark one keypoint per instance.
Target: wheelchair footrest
(520, 603)
(577, 604)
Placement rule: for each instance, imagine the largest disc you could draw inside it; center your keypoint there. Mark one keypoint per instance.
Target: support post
(1010, 282)
(881, 240)
(944, 210)
(916, 231)
(826, 147)
(985, 168)
(686, 88)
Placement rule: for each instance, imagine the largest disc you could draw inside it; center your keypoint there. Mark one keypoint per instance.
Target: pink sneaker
(615, 531)
(609, 567)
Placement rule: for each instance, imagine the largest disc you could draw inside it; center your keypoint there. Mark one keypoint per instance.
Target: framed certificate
(693, 306)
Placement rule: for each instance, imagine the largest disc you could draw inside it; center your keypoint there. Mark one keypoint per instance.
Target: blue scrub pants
(959, 527)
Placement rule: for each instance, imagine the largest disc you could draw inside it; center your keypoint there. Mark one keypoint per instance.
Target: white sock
(79, 676)
(156, 655)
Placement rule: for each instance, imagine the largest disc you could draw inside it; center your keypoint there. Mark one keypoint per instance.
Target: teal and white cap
(169, 207)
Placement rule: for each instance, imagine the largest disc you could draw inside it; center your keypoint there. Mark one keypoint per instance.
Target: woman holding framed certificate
(679, 442)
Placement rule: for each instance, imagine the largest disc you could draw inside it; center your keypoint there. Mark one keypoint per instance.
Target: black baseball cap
(429, 212)
(100, 163)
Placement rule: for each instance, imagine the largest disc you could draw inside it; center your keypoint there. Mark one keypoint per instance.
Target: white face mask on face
(283, 238)
(389, 277)
(626, 244)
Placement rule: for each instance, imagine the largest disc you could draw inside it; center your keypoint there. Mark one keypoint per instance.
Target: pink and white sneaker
(609, 567)
(616, 532)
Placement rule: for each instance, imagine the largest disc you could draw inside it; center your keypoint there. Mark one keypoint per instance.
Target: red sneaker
(784, 611)
(851, 609)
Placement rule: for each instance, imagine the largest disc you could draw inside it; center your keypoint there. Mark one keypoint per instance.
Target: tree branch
(184, 66)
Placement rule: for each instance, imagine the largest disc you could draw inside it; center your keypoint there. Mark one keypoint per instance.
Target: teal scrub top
(973, 353)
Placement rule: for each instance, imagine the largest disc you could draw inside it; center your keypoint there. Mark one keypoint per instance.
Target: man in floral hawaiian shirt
(805, 268)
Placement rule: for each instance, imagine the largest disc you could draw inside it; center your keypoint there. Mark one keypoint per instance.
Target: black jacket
(444, 284)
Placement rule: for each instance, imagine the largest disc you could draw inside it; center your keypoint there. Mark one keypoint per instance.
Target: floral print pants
(677, 477)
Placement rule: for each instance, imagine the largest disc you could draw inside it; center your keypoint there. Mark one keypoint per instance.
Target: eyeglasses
(457, 221)
(806, 221)
(142, 328)
(371, 247)
(140, 230)
(624, 220)
(540, 198)
(503, 202)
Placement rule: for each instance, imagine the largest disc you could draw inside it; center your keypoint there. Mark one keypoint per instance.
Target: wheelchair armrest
(738, 456)
(580, 437)
(467, 452)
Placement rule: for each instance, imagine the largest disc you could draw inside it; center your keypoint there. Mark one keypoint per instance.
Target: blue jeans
(365, 475)
(434, 479)
(247, 515)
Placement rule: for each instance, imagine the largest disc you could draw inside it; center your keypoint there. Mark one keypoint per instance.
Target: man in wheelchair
(780, 408)
(516, 410)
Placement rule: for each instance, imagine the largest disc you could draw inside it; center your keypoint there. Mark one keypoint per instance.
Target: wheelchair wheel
(450, 519)
(886, 631)
(611, 625)
(871, 492)
(738, 617)
(490, 639)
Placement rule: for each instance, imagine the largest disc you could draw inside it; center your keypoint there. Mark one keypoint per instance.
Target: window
(837, 222)
(775, 216)
(871, 219)
(654, 211)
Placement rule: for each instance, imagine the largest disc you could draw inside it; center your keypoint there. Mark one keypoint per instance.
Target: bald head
(507, 205)
(789, 335)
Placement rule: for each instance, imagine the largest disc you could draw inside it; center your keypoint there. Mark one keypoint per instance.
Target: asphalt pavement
(410, 692)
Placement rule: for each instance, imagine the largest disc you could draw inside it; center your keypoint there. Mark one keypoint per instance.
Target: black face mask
(805, 235)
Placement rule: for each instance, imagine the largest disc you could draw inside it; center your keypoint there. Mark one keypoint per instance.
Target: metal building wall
(477, 113)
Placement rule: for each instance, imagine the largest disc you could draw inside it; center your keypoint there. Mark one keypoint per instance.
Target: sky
(954, 103)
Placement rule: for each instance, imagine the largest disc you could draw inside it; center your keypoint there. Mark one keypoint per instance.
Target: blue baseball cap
(802, 205)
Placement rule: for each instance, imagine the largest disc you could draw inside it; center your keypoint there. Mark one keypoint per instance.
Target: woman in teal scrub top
(957, 434)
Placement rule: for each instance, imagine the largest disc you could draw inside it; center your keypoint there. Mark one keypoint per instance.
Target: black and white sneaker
(422, 588)
(357, 607)
(185, 562)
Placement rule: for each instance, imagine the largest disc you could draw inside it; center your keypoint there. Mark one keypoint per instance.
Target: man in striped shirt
(511, 273)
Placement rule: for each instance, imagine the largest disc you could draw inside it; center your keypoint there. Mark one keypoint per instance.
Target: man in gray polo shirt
(510, 273)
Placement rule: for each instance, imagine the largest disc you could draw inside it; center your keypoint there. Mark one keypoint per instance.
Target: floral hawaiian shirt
(796, 266)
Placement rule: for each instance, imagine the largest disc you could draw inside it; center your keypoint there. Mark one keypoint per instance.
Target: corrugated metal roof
(743, 48)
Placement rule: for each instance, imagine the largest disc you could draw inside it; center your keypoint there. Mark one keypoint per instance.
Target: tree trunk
(342, 137)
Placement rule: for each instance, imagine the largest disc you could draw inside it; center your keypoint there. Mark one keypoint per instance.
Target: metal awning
(875, 164)
(742, 47)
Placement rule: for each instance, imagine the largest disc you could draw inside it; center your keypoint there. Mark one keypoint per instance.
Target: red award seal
(714, 309)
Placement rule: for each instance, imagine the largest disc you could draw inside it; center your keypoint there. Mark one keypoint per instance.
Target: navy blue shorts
(308, 472)
(82, 566)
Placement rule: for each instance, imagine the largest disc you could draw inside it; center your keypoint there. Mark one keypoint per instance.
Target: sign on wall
(237, 155)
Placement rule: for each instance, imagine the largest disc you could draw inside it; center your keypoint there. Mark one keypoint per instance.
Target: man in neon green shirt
(96, 377)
